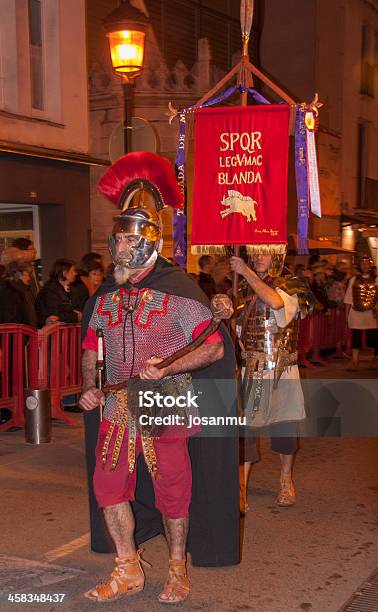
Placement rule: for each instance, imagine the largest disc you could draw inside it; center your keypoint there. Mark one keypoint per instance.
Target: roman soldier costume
(271, 391)
(155, 313)
(362, 296)
(268, 348)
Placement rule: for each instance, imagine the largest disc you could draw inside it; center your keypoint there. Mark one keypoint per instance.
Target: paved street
(309, 557)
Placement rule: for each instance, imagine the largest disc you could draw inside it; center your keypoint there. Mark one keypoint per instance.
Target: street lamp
(126, 30)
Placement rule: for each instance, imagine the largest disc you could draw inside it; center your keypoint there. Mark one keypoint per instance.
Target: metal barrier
(60, 364)
(49, 358)
(37, 416)
(323, 330)
(18, 369)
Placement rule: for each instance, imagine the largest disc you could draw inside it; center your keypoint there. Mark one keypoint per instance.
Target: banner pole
(246, 16)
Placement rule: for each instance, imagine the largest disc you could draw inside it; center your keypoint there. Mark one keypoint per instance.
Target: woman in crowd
(89, 281)
(91, 277)
(57, 301)
(17, 304)
(18, 276)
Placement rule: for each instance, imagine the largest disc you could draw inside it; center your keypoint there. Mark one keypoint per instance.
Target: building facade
(306, 47)
(190, 45)
(332, 48)
(44, 136)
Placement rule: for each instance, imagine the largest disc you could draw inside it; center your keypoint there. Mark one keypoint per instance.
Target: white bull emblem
(237, 203)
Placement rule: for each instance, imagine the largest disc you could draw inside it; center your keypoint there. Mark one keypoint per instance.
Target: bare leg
(244, 474)
(286, 494)
(176, 531)
(121, 525)
(176, 589)
(127, 576)
(287, 462)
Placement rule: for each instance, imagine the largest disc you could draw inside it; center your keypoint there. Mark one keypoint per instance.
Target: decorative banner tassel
(208, 249)
(266, 249)
(218, 249)
(312, 169)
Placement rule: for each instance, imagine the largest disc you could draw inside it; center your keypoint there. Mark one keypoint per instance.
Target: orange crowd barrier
(59, 347)
(49, 358)
(18, 369)
(323, 330)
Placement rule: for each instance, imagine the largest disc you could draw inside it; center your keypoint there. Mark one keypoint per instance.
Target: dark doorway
(53, 235)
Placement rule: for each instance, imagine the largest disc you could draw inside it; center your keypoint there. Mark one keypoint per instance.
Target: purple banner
(257, 97)
(179, 216)
(301, 179)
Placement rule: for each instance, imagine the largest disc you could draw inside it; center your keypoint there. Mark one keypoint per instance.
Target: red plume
(141, 165)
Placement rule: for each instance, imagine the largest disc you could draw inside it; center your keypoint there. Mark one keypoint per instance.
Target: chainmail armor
(140, 324)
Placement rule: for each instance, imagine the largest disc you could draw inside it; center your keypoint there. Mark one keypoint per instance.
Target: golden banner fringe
(208, 249)
(266, 249)
(219, 249)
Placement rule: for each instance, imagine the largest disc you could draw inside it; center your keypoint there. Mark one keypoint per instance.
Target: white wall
(8, 65)
(65, 76)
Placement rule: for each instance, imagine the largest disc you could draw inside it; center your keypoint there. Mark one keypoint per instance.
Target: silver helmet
(146, 226)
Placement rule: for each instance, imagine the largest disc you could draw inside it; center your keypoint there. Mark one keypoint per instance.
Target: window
(18, 221)
(178, 24)
(367, 68)
(36, 54)
(362, 152)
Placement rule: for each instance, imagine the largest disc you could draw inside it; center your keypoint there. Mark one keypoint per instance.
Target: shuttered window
(179, 24)
(180, 32)
(367, 66)
(36, 54)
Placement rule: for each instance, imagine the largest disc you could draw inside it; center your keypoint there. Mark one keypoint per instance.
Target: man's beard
(122, 273)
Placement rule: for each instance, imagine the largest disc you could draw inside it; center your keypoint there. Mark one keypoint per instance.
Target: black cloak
(214, 535)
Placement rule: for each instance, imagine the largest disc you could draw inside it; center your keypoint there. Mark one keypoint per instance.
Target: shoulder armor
(294, 285)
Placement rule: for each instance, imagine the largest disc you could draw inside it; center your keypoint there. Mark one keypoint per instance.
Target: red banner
(241, 175)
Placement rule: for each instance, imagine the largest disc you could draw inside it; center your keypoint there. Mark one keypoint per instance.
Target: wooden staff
(244, 78)
(221, 310)
(244, 72)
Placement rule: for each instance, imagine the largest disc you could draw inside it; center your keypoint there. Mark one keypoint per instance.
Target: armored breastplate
(267, 347)
(261, 333)
(364, 292)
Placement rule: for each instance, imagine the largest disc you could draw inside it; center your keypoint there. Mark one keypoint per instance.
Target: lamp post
(126, 30)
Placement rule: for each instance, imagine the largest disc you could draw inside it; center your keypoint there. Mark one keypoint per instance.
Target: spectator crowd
(333, 286)
(23, 299)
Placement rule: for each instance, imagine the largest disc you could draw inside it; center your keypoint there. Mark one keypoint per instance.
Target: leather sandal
(127, 578)
(286, 494)
(177, 587)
